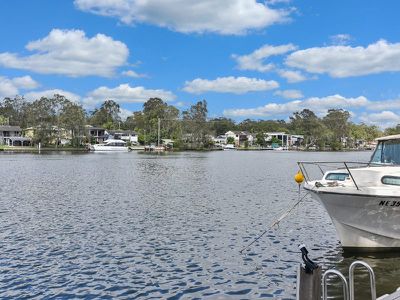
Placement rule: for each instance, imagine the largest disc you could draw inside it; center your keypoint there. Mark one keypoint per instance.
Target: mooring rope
(276, 222)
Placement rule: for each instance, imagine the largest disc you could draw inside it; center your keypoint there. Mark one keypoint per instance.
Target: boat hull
(363, 221)
(101, 148)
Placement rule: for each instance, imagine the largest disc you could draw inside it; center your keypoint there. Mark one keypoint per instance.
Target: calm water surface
(136, 226)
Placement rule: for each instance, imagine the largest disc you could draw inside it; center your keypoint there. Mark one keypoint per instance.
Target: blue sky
(247, 58)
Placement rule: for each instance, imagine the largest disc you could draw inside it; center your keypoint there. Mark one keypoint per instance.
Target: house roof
(9, 128)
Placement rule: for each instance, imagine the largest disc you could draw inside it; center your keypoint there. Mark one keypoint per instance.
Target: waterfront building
(287, 140)
(240, 137)
(96, 134)
(12, 136)
(125, 135)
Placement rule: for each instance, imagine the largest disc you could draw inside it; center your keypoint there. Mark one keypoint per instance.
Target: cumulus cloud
(223, 16)
(235, 85)
(10, 87)
(255, 60)
(32, 96)
(346, 61)
(290, 94)
(125, 113)
(318, 105)
(71, 53)
(124, 93)
(382, 119)
(292, 76)
(133, 74)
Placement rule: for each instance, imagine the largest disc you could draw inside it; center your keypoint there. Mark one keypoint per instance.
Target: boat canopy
(389, 137)
(387, 151)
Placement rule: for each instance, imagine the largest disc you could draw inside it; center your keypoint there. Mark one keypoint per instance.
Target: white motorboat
(229, 147)
(362, 199)
(110, 145)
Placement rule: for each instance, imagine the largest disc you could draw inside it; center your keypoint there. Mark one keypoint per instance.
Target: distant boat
(110, 145)
(229, 147)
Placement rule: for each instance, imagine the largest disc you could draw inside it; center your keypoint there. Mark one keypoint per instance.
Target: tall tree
(195, 125)
(337, 120)
(107, 115)
(15, 110)
(307, 123)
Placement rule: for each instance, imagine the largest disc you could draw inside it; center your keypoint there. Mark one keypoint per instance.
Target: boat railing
(323, 166)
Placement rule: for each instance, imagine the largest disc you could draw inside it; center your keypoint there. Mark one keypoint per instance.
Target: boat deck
(393, 296)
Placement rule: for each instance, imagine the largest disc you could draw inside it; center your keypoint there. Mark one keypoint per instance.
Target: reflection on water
(131, 225)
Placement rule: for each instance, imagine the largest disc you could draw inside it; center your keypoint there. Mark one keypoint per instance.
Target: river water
(137, 226)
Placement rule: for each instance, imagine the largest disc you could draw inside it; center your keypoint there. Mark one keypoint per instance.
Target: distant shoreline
(7, 149)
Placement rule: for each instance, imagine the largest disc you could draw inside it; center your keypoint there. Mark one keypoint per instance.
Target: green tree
(220, 126)
(307, 123)
(107, 115)
(195, 125)
(15, 110)
(230, 140)
(72, 117)
(337, 120)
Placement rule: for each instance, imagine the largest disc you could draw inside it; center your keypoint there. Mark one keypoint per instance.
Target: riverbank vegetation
(189, 129)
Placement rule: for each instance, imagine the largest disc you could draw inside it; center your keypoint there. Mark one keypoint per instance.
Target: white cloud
(290, 94)
(223, 16)
(382, 119)
(11, 87)
(25, 82)
(255, 60)
(274, 2)
(125, 113)
(124, 93)
(133, 74)
(235, 85)
(71, 53)
(292, 76)
(32, 96)
(340, 39)
(346, 61)
(316, 104)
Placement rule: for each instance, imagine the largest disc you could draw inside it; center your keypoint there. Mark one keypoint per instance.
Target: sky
(246, 58)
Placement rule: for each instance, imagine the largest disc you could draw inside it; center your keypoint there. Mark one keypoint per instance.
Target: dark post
(308, 278)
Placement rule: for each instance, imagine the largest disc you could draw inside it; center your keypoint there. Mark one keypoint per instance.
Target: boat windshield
(387, 152)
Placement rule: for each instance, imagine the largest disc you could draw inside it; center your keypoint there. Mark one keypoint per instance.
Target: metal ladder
(348, 289)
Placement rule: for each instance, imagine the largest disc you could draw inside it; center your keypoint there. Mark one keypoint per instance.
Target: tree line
(190, 129)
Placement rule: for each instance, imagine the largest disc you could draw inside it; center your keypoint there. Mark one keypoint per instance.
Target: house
(96, 134)
(220, 140)
(240, 137)
(12, 136)
(287, 140)
(125, 135)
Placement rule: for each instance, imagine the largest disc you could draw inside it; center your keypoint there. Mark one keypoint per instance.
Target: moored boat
(362, 199)
(110, 145)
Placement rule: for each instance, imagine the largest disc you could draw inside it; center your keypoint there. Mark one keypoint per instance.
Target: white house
(240, 137)
(220, 140)
(12, 136)
(287, 140)
(125, 135)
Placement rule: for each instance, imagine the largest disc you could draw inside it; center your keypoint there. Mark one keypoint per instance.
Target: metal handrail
(325, 284)
(371, 278)
(303, 168)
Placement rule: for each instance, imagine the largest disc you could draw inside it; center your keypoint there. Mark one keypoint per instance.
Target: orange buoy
(299, 177)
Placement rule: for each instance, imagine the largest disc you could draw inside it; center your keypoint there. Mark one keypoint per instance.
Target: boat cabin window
(337, 176)
(392, 180)
(387, 152)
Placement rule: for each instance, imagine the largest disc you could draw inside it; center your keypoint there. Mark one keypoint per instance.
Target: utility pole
(158, 133)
